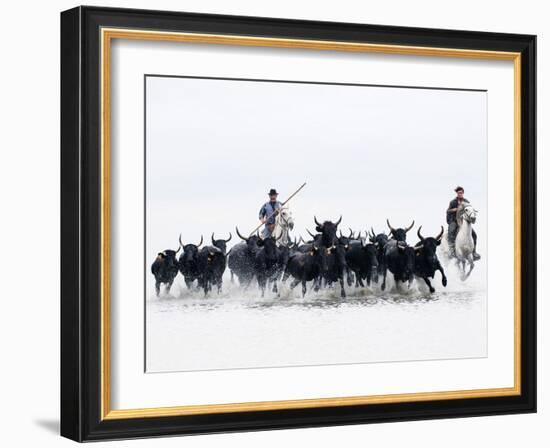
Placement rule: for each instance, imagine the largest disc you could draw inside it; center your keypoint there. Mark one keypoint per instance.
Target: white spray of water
(239, 329)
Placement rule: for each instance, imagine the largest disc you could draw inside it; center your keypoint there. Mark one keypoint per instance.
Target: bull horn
(359, 236)
(316, 222)
(337, 223)
(239, 234)
(350, 233)
(181, 244)
(389, 225)
(200, 243)
(419, 234)
(341, 234)
(279, 237)
(179, 248)
(229, 239)
(301, 240)
(213, 240)
(372, 231)
(438, 237)
(310, 234)
(410, 227)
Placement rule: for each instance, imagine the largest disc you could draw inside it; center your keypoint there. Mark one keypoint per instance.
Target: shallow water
(239, 329)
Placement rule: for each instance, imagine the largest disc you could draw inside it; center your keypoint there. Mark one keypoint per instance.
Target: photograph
(311, 223)
(279, 221)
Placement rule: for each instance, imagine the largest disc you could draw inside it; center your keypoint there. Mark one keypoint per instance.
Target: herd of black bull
(328, 258)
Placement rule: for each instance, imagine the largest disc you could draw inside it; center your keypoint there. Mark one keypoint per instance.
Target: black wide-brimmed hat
(272, 192)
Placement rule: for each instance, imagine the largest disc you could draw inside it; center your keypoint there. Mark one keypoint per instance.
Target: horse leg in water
(294, 283)
(157, 288)
(471, 263)
(303, 288)
(232, 279)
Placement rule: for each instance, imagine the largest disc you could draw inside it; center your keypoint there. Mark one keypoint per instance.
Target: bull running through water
(328, 259)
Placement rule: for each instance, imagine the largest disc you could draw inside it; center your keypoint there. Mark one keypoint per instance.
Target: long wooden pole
(282, 205)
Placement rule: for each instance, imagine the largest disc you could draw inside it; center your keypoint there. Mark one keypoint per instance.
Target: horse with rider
(276, 218)
(461, 237)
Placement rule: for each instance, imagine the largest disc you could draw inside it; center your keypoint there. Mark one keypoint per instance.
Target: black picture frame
(81, 224)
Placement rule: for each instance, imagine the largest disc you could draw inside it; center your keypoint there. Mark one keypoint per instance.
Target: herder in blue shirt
(267, 213)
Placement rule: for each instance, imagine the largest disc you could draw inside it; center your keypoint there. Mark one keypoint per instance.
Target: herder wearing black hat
(267, 213)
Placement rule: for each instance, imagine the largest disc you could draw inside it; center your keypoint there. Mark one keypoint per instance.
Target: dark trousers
(453, 231)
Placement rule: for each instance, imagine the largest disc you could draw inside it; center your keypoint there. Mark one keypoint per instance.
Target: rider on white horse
(267, 213)
(452, 210)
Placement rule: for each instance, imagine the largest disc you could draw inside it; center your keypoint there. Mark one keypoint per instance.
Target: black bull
(307, 266)
(211, 263)
(268, 263)
(188, 262)
(241, 259)
(165, 268)
(426, 262)
(398, 256)
(379, 240)
(406, 262)
(336, 264)
(362, 260)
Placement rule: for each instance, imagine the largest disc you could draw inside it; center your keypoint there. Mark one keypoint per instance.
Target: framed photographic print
(273, 223)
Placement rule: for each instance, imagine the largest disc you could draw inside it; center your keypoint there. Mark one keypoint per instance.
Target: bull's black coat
(188, 264)
(267, 263)
(426, 262)
(211, 263)
(399, 259)
(336, 266)
(307, 266)
(362, 260)
(165, 268)
(242, 257)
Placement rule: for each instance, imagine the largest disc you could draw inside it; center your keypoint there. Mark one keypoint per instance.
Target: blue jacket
(267, 209)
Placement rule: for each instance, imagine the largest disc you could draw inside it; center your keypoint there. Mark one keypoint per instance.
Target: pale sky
(215, 147)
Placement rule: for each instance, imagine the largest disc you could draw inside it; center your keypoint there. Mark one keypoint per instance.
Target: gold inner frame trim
(107, 35)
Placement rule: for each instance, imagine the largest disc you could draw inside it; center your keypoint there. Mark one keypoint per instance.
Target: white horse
(464, 244)
(284, 223)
